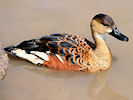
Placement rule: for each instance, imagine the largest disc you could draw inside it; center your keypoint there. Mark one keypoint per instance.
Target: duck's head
(103, 24)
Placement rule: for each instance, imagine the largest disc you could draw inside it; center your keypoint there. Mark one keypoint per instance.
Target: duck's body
(68, 52)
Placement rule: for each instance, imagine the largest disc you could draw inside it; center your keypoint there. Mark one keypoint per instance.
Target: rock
(3, 63)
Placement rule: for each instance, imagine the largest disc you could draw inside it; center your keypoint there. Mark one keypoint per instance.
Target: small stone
(3, 63)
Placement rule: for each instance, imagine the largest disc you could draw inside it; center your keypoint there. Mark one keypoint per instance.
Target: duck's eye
(105, 24)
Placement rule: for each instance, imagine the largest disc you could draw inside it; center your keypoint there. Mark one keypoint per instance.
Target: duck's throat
(102, 55)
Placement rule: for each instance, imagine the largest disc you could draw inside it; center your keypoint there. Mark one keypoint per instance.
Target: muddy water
(27, 19)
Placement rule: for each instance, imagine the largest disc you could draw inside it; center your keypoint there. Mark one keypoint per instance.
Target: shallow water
(27, 19)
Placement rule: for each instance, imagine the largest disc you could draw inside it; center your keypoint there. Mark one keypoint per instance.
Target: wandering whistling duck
(68, 52)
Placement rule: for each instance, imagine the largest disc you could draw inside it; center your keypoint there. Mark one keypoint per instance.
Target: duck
(69, 52)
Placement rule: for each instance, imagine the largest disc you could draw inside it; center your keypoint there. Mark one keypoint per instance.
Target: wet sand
(26, 19)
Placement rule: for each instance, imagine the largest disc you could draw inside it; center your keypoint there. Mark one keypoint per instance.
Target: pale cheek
(109, 30)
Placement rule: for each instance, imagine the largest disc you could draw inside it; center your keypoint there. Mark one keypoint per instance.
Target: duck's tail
(9, 49)
(25, 50)
(29, 45)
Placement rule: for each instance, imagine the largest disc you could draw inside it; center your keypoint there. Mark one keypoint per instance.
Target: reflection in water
(98, 89)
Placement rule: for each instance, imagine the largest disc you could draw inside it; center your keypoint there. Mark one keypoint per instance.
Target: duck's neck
(100, 42)
(102, 55)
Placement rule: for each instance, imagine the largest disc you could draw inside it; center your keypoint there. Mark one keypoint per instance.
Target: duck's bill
(118, 35)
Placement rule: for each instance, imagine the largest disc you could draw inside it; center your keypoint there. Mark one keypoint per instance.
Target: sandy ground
(26, 19)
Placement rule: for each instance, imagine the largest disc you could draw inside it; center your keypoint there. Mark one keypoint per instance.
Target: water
(26, 19)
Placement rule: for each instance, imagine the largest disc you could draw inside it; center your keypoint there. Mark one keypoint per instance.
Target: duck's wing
(91, 44)
(76, 50)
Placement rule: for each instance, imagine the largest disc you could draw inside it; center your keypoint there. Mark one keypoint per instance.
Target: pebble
(3, 63)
